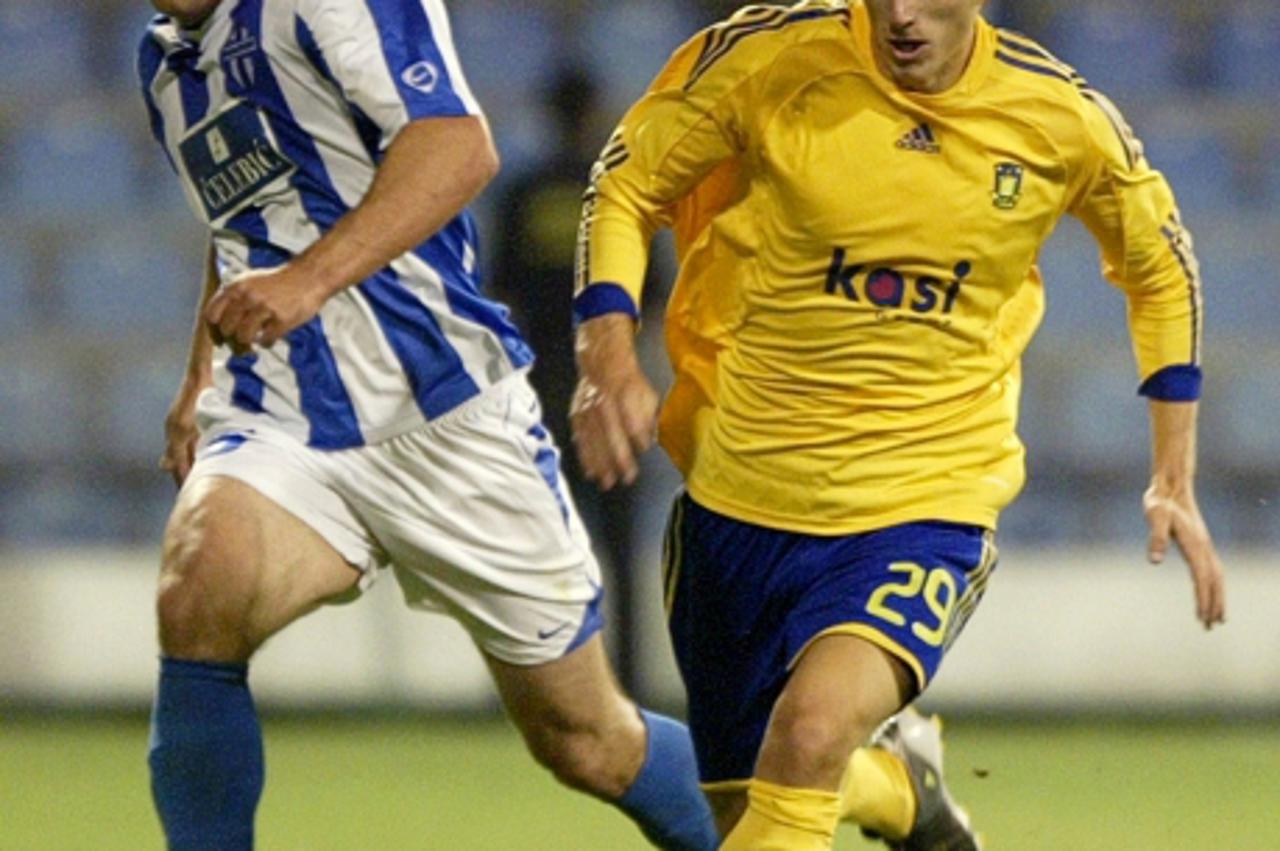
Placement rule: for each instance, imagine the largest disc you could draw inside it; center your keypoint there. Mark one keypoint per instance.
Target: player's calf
(599, 756)
(578, 724)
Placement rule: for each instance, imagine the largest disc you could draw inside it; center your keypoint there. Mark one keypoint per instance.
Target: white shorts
(469, 510)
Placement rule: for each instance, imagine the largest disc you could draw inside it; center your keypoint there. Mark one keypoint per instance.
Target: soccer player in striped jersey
(859, 192)
(353, 402)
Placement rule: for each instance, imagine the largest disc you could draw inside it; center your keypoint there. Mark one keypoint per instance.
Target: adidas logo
(920, 139)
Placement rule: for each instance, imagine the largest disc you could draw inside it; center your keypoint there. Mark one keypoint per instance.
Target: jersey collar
(182, 46)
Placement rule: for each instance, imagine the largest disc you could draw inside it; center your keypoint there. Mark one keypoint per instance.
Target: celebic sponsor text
(241, 175)
(230, 159)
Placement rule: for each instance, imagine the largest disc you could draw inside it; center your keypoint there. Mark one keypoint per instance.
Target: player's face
(923, 45)
(187, 12)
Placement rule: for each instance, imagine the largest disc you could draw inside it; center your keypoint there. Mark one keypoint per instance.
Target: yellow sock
(784, 818)
(877, 794)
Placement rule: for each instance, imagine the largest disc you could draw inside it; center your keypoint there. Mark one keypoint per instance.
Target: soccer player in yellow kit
(859, 192)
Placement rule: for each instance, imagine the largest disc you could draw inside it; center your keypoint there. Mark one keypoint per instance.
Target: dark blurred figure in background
(536, 236)
(1198, 31)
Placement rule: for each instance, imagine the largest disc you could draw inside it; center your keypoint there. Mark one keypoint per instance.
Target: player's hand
(180, 434)
(1174, 515)
(614, 411)
(260, 307)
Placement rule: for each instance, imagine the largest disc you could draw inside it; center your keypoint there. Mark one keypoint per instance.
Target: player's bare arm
(431, 171)
(1172, 511)
(180, 434)
(614, 411)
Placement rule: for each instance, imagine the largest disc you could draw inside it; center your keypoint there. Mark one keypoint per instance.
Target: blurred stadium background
(1083, 688)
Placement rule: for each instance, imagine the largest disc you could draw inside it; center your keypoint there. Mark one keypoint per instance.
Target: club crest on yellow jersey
(1008, 188)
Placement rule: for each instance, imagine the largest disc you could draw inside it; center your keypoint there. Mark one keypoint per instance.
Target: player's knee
(590, 759)
(198, 617)
(812, 743)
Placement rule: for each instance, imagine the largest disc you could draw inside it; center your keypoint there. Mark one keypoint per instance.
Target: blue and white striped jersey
(275, 114)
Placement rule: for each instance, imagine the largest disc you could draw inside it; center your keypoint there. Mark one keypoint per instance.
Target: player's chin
(912, 77)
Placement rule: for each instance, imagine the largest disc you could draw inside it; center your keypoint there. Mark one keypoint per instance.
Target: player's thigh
(235, 560)
(575, 717)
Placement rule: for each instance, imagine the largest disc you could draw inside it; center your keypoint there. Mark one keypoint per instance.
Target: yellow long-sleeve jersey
(858, 279)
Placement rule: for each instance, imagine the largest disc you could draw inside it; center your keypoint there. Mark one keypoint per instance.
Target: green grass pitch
(75, 782)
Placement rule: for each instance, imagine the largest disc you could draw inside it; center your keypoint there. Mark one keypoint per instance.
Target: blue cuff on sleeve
(1179, 383)
(599, 299)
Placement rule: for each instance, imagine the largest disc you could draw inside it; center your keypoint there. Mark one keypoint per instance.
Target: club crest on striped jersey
(1008, 186)
(920, 138)
(238, 56)
(230, 159)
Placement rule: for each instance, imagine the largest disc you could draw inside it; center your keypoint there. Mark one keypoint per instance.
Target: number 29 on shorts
(899, 603)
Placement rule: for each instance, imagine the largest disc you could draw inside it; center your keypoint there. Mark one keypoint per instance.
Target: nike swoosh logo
(544, 634)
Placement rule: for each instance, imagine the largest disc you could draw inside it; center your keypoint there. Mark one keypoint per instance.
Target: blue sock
(206, 756)
(665, 799)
